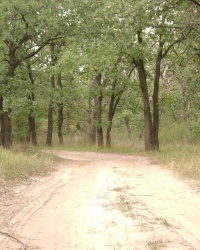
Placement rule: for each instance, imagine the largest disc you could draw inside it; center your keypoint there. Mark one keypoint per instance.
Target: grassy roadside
(20, 163)
(179, 151)
(184, 159)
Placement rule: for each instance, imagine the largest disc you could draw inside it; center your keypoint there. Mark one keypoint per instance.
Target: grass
(181, 158)
(21, 163)
(179, 150)
(156, 245)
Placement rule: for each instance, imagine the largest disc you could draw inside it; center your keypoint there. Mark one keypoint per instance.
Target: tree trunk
(6, 125)
(156, 117)
(114, 100)
(108, 135)
(127, 122)
(148, 140)
(50, 125)
(148, 127)
(60, 113)
(91, 122)
(98, 110)
(7, 130)
(155, 102)
(32, 135)
(110, 118)
(60, 123)
(50, 110)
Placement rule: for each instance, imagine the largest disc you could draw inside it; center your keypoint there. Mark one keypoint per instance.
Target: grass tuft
(22, 164)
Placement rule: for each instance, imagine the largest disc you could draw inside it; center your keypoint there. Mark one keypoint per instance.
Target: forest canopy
(86, 68)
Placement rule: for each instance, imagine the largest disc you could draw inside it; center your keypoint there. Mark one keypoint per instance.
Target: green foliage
(92, 37)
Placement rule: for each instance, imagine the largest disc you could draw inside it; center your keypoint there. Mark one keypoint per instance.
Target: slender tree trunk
(60, 113)
(148, 127)
(114, 100)
(60, 123)
(32, 134)
(50, 109)
(108, 135)
(148, 138)
(127, 122)
(91, 122)
(50, 124)
(98, 110)
(110, 118)
(156, 116)
(155, 102)
(6, 126)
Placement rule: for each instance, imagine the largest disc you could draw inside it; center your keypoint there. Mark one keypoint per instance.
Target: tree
(148, 25)
(25, 33)
(60, 112)
(98, 97)
(50, 109)
(31, 135)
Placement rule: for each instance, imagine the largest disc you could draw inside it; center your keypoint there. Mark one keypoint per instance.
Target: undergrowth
(22, 163)
(182, 158)
(179, 150)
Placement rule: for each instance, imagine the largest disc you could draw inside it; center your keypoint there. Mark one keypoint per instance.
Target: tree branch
(195, 2)
(175, 42)
(35, 51)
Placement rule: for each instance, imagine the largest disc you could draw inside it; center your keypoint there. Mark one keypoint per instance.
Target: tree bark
(148, 138)
(60, 113)
(50, 109)
(127, 122)
(114, 100)
(6, 124)
(91, 122)
(7, 130)
(32, 134)
(98, 110)
(50, 122)
(148, 127)
(156, 117)
(110, 118)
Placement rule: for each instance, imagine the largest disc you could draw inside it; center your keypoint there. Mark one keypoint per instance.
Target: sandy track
(100, 201)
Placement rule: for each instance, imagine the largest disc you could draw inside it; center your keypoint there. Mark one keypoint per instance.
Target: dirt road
(99, 201)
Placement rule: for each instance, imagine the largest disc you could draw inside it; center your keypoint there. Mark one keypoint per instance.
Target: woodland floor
(97, 201)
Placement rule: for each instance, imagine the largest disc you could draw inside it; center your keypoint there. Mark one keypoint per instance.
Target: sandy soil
(97, 201)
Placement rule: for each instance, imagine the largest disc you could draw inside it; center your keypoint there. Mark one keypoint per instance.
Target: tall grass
(179, 149)
(20, 163)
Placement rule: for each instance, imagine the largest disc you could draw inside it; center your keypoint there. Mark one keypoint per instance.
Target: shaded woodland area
(86, 67)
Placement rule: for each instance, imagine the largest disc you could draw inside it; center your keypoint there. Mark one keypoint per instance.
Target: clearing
(99, 201)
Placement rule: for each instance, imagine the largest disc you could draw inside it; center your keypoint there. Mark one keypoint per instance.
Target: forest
(99, 71)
